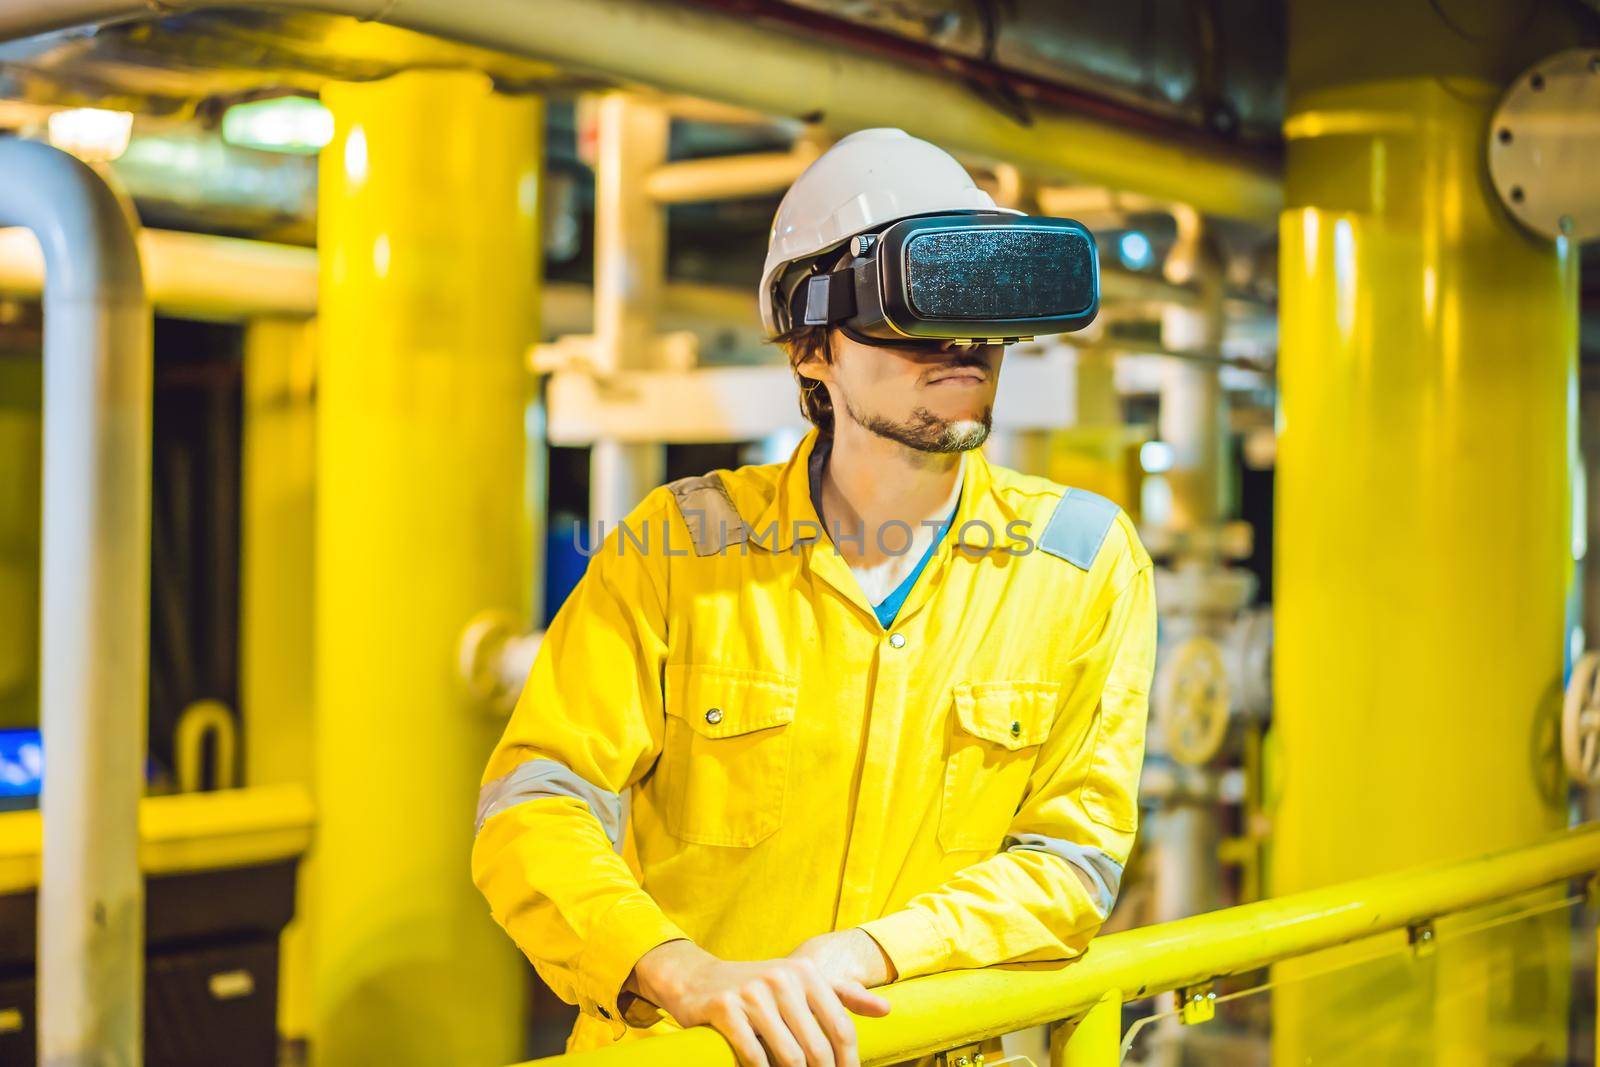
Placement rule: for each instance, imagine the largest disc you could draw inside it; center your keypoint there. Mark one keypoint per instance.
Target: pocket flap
(1013, 714)
(728, 701)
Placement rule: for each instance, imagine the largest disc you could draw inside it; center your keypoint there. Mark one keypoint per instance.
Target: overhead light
(1155, 457)
(1134, 248)
(295, 124)
(93, 134)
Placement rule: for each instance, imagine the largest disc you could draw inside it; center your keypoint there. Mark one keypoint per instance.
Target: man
(880, 709)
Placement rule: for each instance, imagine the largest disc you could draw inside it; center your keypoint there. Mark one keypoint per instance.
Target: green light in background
(295, 124)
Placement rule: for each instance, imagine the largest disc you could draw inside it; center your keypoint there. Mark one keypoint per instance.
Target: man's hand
(774, 1013)
(848, 956)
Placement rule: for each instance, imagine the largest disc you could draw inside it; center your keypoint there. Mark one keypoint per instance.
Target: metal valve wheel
(1580, 721)
(1193, 699)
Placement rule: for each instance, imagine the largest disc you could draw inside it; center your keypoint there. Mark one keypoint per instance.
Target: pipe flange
(493, 657)
(478, 653)
(1249, 650)
(1544, 146)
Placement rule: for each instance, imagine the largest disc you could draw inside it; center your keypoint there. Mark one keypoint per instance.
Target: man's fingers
(835, 1021)
(861, 1000)
(795, 1005)
(729, 1019)
(762, 1010)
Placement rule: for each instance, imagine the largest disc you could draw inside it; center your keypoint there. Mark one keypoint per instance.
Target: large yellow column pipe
(428, 233)
(1428, 353)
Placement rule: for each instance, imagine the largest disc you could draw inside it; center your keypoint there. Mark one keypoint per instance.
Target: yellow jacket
(950, 785)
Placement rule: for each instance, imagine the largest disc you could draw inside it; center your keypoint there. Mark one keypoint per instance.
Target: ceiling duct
(1215, 66)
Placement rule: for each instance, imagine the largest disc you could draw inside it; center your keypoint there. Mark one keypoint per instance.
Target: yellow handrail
(944, 1011)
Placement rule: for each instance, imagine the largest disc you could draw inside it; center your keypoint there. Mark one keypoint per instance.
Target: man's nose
(985, 348)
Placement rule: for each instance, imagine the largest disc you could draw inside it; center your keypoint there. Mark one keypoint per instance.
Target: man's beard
(925, 431)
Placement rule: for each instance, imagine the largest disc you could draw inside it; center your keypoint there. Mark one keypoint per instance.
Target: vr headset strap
(830, 297)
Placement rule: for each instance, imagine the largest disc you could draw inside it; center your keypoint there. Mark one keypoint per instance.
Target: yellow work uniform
(954, 784)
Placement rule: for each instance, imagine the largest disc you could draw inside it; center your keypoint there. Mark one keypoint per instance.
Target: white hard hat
(864, 182)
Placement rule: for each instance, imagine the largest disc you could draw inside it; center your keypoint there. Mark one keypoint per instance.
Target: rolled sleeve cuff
(912, 940)
(632, 927)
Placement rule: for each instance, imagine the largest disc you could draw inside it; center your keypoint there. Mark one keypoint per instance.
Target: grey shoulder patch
(714, 523)
(1078, 527)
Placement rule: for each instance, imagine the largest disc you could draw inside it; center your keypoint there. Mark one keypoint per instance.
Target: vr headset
(980, 277)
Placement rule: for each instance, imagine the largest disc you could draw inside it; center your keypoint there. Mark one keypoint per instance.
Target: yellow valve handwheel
(1580, 721)
(1193, 700)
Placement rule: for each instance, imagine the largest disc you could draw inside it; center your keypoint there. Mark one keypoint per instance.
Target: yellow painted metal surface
(206, 725)
(947, 1010)
(275, 595)
(1094, 1040)
(276, 494)
(1103, 460)
(428, 234)
(1427, 370)
(183, 832)
(20, 458)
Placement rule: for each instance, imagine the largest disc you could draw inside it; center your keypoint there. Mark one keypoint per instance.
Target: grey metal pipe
(709, 54)
(1194, 410)
(629, 270)
(94, 621)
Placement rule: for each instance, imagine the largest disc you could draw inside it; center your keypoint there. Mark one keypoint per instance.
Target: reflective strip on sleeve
(547, 778)
(1105, 873)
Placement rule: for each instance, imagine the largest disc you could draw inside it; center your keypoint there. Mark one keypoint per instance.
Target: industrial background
(353, 316)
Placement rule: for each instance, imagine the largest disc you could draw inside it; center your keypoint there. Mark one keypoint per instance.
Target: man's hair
(800, 343)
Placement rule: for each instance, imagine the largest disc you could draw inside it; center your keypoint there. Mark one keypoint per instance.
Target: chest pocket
(725, 761)
(994, 742)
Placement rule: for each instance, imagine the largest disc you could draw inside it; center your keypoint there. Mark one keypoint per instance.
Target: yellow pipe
(268, 285)
(429, 244)
(278, 468)
(1428, 353)
(961, 1007)
(1092, 1041)
(192, 275)
(728, 177)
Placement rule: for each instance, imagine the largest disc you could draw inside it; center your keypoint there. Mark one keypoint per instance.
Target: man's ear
(815, 365)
